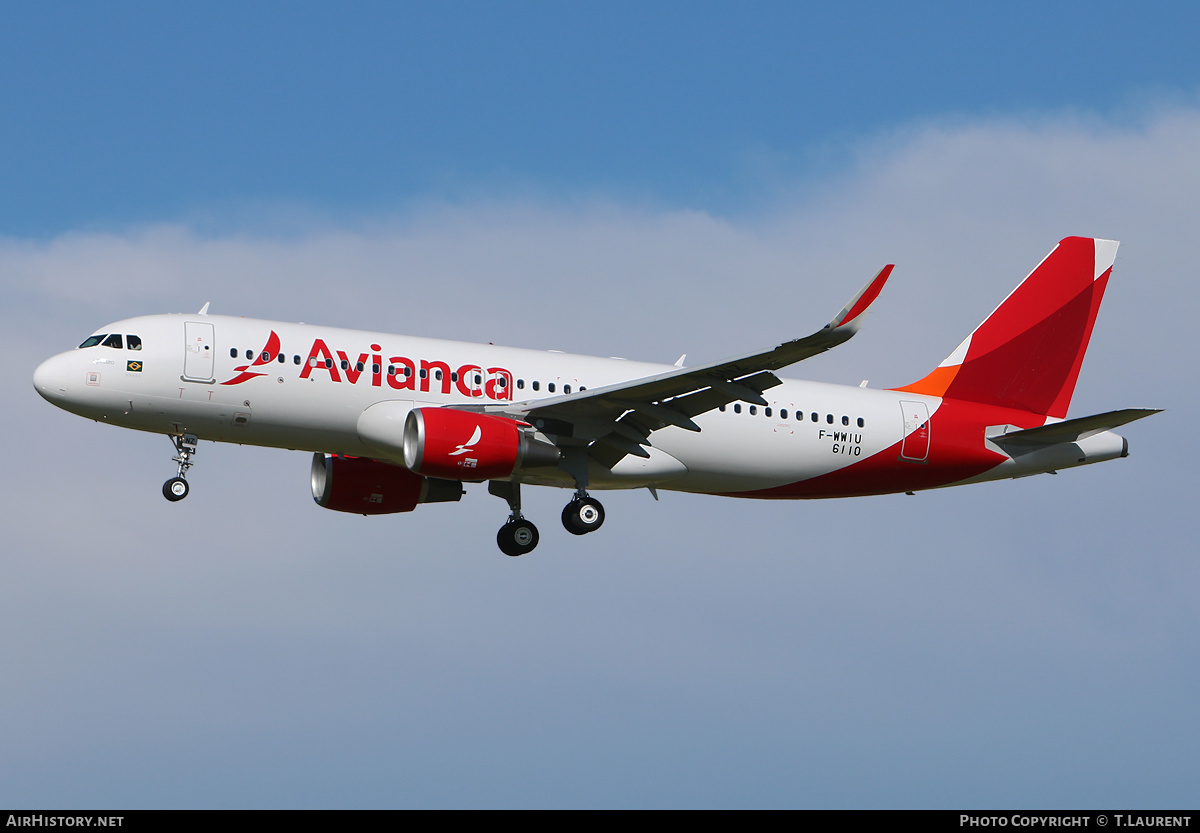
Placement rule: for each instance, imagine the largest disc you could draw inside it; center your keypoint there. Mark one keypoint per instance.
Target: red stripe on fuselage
(957, 452)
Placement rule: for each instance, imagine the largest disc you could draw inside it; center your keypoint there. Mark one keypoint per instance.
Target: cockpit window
(92, 341)
(133, 342)
(113, 340)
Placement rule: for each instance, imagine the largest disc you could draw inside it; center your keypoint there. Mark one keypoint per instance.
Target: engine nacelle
(368, 487)
(463, 445)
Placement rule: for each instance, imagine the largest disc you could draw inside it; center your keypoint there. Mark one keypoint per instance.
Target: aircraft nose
(50, 378)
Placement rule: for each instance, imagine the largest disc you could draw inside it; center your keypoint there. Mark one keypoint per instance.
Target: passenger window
(249, 354)
(815, 418)
(520, 384)
(113, 340)
(296, 359)
(359, 367)
(502, 383)
(782, 413)
(721, 408)
(537, 385)
(550, 387)
(329, 364)
(845, 420)
(829, 418)
(374, 368)
(282, 359)
(345, 365)
(860, 422)
(582, 388)
(437, 374)
(424, 373)
(766, 411)
(753, 410)
(133, 342)
(233, 352)
(266, 357)
(737, 407)
(566, 388)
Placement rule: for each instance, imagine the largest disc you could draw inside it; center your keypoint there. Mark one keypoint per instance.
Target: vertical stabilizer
(1028, 352)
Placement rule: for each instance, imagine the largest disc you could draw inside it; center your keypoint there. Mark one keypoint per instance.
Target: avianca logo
(469, 445)
(398, 372)
(270, 350)
(403, 373)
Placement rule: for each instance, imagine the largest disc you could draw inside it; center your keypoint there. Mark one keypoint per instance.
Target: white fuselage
(207, 375)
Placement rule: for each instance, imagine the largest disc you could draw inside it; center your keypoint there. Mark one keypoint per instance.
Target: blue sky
(142, 111)
(609, 179)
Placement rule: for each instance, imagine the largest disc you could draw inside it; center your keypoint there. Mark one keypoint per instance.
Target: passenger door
(198, 351)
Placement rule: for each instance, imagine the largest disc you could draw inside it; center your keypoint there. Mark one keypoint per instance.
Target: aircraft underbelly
(773, 455)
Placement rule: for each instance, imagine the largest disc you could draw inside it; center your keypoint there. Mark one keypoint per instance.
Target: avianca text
(403, 373)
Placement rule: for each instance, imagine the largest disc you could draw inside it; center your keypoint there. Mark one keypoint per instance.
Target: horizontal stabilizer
(1071, 430)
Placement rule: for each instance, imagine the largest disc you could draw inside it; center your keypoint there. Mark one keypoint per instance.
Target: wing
(618, 419)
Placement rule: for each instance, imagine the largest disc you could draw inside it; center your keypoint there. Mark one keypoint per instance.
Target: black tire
(175, 489)
(583, 515)
(517, 538)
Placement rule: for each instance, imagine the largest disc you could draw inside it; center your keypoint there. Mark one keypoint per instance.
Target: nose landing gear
(176, 488)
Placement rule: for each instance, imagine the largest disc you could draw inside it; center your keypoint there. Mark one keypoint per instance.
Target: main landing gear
(518, 536)
(185, 448)
(582, 515)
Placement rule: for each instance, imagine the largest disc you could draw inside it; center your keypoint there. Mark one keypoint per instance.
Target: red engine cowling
(368, 487)
(463, 445)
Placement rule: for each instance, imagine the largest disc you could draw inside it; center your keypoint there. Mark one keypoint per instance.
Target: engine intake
(369, 487)
(463, 445)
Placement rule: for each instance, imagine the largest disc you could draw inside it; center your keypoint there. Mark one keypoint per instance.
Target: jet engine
(463, 445)
(368, 487)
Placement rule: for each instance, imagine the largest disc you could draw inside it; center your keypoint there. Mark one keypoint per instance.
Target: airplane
(396, 421)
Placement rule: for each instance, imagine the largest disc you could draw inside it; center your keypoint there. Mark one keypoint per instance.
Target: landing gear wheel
(175, 489)
(583, 515)
(517, 537)
(185, 448)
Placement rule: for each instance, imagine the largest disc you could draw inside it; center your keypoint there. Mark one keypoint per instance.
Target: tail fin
(1028, 352)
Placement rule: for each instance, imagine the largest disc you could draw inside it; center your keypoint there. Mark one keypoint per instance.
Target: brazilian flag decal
(135, 367)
